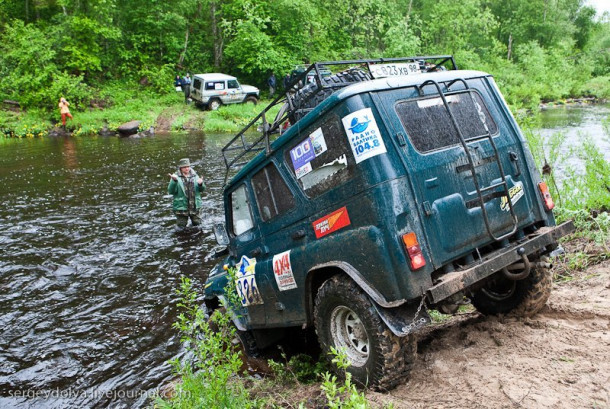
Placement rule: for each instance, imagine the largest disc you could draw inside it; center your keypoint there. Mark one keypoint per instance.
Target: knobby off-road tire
(214, 104)
(308, 97)
(522, 298)
(251, 100)
(345, 318)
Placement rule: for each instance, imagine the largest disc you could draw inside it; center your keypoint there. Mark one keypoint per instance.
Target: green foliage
(299, 368)
(345, 395)
(208, 379)
(537, 49)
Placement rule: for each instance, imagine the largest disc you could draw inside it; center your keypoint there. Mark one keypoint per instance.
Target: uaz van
(387, 191)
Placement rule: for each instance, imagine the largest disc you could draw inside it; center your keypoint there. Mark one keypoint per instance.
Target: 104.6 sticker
(245, 282)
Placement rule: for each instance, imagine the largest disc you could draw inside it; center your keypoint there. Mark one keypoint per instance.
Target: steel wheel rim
(349, 334)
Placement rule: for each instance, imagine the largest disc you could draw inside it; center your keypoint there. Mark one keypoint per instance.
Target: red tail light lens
(546, 196)
(414, 251)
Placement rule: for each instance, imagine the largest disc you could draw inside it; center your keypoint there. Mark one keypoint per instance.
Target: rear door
(448, 203)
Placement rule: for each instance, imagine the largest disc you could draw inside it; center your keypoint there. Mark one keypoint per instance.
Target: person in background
(272, 84)
(178, 83)
(186, 87)
(186, 187)
(65, 111)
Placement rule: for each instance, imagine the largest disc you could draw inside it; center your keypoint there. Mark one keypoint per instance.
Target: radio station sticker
(363, 134)
(331, 223)
(282, 271)
(318, 142)
(303, 170)
(245, 282)
(515, 193)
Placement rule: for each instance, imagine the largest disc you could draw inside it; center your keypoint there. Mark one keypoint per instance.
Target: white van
(215, 89)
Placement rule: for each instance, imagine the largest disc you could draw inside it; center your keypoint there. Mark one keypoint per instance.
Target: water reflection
(89, 264)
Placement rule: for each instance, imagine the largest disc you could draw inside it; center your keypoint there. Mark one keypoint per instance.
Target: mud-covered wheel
(214, 104)
(346, 319)
(522, 298)
(251, 100)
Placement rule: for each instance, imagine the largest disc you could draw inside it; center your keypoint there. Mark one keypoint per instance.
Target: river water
(89, 261)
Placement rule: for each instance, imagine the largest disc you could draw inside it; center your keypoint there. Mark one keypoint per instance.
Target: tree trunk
(27, 11)
(510, 46)
(186, 43)
(216, 36)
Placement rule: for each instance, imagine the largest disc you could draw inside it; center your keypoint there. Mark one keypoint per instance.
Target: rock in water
(129, 128)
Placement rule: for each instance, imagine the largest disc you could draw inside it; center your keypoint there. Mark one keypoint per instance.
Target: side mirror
(220, 232)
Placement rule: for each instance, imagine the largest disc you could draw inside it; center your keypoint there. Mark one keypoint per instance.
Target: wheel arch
(318, 274)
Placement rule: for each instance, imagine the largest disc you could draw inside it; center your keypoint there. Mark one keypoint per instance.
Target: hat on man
(184, 163)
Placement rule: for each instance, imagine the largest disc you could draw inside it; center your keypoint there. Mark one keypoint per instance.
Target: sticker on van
(516, 192)
(318, 142)
(331, 223)
(282, 271)
(363, 134)
(245, 282)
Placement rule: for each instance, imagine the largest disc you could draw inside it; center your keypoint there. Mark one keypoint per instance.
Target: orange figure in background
(65, 111)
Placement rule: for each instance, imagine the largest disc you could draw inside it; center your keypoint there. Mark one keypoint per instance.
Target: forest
(538, 50)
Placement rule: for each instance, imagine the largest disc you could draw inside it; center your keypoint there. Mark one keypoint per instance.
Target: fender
(360, 280)
(401, 317)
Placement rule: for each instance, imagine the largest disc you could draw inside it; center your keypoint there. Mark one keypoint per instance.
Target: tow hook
(525, 267)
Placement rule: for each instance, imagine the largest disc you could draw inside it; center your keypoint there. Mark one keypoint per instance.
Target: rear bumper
(456, 281)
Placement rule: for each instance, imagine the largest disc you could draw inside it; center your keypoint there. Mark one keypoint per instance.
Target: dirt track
(559, 358)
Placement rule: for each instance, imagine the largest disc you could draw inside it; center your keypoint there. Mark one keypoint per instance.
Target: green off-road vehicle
(375, 194)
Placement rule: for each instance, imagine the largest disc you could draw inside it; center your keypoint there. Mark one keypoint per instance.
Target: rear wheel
(214, 104)
(521, 298)
(346, 319)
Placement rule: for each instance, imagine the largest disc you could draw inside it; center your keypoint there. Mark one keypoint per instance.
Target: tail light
(414, 251)
(546, 196)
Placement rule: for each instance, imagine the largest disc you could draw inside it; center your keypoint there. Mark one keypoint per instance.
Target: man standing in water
(186, 187)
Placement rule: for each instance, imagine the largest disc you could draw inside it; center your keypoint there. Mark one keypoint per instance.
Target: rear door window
(232, 84)
(273, 196)
(323, 159)
(429, 125)
(197, 83)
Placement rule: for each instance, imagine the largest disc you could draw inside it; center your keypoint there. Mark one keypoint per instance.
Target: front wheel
(521, 298)
(251, 100)
(346, 319)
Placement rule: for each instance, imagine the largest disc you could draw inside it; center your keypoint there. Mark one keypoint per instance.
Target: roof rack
(246, 144)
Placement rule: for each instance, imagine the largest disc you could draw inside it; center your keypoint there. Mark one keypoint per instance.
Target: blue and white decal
(245, 282)
(363, 134)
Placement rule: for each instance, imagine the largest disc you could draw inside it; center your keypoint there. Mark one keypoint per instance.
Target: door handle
(299, 234)
(256, 252)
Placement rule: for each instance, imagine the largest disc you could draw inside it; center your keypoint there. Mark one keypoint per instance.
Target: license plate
(394, 70)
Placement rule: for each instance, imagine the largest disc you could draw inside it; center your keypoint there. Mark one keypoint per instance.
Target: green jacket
(176, 188)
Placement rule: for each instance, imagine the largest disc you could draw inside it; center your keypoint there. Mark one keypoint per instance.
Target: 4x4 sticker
(245, 282)
(282, 271)
(516, 192)
(331, 223)
(363, 134)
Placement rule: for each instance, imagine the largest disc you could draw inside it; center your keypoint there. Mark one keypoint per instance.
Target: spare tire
(311, 96)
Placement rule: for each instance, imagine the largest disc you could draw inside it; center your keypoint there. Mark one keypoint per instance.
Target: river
(89, 261)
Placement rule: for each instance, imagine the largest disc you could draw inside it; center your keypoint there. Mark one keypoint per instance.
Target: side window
(429, 126)
(214, 85)
(197, 84)
(232, 84)
(240, 210)
(272, 194)
(322, 159)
